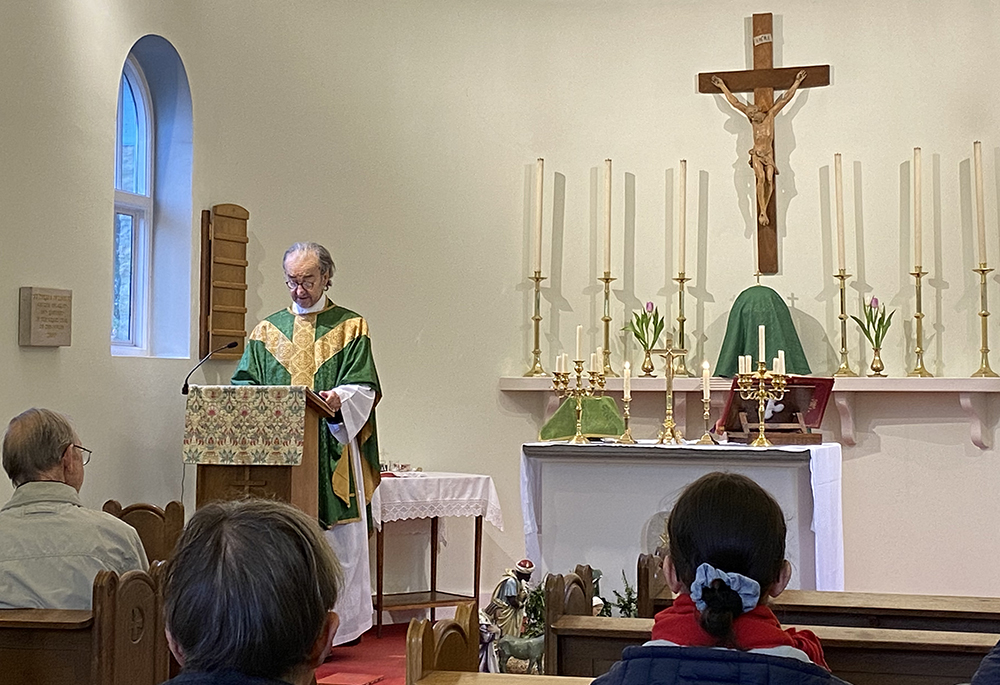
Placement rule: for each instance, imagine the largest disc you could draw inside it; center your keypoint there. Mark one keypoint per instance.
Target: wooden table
(431, 495)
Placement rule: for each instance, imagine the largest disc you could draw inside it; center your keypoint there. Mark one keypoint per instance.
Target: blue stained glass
(121, 317)
(128, 143)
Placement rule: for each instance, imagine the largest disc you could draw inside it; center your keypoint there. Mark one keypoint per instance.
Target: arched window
(133, 212)
(153, 227)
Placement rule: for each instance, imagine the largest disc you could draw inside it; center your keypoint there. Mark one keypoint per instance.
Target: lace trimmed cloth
(416, 495)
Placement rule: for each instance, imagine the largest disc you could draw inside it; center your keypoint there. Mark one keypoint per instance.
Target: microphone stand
(186, 387)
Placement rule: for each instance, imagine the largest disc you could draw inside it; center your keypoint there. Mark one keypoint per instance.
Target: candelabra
(680, 363)
(561, 385)
(845, 365)
(606, 361)
(984, 366)
(769, 386)
(536, 354)
(626, 437)
(919, 370)
(707, 438)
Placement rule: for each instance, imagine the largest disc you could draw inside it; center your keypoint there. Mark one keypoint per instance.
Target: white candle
(760, 344)
(600, 359)
(706, 392)
(579, 343)
(980, 211)
(593, 361)
(565, 358)
(607, 216)
(627, 381)
(539, 177)
(781, 362)
(918, 219)
(682, 217)
(742, 364)
(559, 364)
(839, 183)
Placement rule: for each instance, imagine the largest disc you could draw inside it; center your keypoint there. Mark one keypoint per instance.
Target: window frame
(139, 205)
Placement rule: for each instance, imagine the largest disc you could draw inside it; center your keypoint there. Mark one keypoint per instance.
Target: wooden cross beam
(762, 80)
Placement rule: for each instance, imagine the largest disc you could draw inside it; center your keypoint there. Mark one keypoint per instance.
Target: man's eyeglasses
(86, 453)
(308, 284)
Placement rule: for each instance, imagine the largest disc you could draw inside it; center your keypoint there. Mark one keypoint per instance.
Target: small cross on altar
(762, 80)
(670, 435)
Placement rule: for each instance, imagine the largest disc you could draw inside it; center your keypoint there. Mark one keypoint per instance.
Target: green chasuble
(755, 306)
(321, 351)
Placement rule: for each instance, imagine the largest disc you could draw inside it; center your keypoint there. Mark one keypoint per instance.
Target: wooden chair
(158, 528)
(119, 642)
(451, 644)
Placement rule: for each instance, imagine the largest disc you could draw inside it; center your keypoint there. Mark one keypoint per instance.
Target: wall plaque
(45, 317)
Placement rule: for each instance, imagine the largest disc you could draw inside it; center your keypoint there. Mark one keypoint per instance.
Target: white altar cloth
(582, 501)
(418, 494)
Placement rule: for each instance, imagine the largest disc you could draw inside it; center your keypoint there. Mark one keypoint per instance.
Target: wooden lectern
(237, 478)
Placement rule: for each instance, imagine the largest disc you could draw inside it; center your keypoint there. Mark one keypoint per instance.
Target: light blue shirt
(51, 548)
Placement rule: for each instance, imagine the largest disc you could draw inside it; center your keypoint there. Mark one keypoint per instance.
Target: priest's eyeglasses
(308, 283)
(86, 453)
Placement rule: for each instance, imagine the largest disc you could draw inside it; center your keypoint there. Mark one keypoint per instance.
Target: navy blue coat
(662, 665)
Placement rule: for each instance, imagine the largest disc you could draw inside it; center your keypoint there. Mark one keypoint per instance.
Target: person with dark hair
(249, 596)
(726, 556)
(52, 547)
(325, 347)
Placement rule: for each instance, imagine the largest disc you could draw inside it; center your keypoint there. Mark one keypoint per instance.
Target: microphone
(184, 388)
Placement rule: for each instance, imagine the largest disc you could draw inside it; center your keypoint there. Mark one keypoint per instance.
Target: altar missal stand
(414, 495)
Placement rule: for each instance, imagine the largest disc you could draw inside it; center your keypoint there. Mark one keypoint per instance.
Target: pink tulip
(649, 307)
(874, 303)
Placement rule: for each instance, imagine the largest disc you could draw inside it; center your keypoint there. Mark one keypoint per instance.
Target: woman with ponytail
(726, 556)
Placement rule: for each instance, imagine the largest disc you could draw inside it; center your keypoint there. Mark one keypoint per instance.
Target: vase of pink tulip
(646, 326)
(875, 326)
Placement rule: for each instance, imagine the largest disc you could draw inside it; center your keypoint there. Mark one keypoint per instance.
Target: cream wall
(403, 135)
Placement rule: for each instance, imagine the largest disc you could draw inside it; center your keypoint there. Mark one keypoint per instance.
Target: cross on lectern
(762, 80)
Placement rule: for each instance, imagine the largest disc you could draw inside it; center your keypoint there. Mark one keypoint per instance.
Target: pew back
(159, 529)
(119, 642)
(447, 645)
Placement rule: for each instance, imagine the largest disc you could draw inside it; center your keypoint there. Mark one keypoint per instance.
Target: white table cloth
(418, 494)
(581, 501)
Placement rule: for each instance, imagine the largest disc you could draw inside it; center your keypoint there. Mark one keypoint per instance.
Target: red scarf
(756, 629)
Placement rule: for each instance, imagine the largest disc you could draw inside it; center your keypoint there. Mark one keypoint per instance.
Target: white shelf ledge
(973, 394)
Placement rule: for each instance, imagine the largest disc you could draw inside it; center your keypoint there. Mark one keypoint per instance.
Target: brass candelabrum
(594, 387)
(919, 370)
(671, 434)
(984, 349)
(680, 362)
(536, 368)
(707, 438)
(762, 385)
(626, 437)
(606, 319)
(845, 365)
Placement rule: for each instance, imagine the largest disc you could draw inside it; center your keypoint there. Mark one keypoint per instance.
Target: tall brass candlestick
(680, 363)
(919, 370)
(984, 365)
(536, 354)
(761, 393)
(845, 365)
(707, 438)
(626, 437)
(670, 435)
(606, 361)
(561, 386)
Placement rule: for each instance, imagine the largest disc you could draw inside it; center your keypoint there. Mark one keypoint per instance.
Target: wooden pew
(849, 609)
(451, 644)
(158, 528)
(584, 645)
(119, 642)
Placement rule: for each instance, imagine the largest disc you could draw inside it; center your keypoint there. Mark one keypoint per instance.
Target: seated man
(249, 596)
(52, 547)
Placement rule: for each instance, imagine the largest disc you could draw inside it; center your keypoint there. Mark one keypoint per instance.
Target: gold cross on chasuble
(762, 80)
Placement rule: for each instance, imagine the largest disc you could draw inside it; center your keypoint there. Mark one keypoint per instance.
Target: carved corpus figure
(762, 152)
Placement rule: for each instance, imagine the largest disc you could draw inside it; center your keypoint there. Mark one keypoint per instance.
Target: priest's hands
(331, 398)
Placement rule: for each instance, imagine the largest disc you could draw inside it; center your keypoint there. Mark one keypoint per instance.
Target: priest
(326, 347)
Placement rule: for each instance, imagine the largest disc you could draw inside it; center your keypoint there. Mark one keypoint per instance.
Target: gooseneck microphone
(185, 387)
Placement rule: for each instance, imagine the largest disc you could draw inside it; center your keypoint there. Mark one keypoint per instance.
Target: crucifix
(670, 435)
(762, 80)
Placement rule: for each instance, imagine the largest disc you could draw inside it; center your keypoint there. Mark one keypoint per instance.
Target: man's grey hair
(34, 443)
(249, 587)
(326, 265)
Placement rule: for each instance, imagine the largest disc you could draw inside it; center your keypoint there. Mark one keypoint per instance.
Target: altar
(602, 504)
